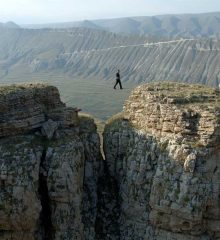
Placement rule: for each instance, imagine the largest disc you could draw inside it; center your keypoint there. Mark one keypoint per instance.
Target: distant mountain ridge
(96, 54)
(9, 25)
(77, 24)
(173, 25)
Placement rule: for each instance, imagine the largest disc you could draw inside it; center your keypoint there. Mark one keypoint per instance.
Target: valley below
(95, 97)
(82, 63)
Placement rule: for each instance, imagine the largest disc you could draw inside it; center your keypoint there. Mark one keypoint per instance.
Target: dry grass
(182, 93)
(8, 89)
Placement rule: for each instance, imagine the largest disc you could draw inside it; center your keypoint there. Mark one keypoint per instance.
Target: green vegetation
(99, 123)
(4, 90)
(115, 121)
(186, 199)
(14, 88)
(163, 146)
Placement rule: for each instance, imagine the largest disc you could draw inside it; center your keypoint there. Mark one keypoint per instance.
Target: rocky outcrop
(164, 152)
(160, 178)
(27, 107)
(49, 166)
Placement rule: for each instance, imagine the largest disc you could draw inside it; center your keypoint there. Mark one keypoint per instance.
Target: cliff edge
(164, 152)
(160, 178)
(49, 166)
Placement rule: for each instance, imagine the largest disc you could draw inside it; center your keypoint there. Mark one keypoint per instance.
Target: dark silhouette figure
(118, 80)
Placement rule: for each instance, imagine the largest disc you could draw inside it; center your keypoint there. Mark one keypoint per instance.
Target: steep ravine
(160, 178)
(108, 207)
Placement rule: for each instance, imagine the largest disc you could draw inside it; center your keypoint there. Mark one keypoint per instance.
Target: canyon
(159, 176)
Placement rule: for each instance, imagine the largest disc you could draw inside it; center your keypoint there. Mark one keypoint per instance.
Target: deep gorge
(159, 180)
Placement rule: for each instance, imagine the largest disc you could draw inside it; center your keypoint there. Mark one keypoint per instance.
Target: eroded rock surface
(160, 179)
(27, 107)
(164, 152)
(49, 166)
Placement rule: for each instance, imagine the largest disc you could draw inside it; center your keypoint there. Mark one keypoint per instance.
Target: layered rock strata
(164, 152)
(160, 179)
(27, 107)
(49, 166)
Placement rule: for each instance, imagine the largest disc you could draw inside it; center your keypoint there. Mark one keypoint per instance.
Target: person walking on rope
(118, 80)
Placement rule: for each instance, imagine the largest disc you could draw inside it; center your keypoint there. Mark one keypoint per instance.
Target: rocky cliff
(160, 178)
(49, 166)
(164, 152)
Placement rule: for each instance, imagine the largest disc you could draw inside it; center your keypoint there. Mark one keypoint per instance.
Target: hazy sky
(44, 11)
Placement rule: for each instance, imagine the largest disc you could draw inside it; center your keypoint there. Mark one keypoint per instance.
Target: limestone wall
(176, 110)
(164, 151)
(49, 167)
(160, 180)
(26, 107)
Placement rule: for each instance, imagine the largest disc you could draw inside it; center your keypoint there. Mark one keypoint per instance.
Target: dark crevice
(108, 207)
(45, 215)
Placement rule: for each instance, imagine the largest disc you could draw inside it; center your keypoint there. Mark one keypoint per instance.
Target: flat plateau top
(180, 93)
(10, 89)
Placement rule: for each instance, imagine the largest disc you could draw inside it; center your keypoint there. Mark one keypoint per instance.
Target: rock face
(160, 179)
(49, 166)
(27, 107)
(164, 152)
